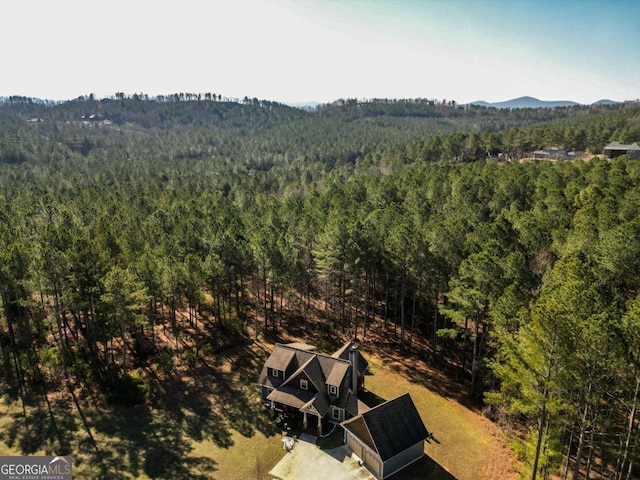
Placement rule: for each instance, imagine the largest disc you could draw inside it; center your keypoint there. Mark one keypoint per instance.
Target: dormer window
(304, 385)
(333, 390)
(275, 373)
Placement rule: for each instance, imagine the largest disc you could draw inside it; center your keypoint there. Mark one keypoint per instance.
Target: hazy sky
(303, 50)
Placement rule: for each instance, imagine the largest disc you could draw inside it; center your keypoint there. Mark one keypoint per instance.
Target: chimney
(353, 358)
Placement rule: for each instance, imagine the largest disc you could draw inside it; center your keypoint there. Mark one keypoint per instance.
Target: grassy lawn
(210, 424)
(249, 457)
(467, 446)
(204, 424)
(136, 443)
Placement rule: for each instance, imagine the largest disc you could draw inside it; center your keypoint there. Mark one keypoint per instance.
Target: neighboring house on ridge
(615, 149)
(555, 153)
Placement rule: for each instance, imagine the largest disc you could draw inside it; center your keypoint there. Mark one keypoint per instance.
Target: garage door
(355, 445)
(372, 461)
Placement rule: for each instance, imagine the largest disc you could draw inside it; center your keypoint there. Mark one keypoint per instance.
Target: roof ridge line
(385, 402)
(326, 355)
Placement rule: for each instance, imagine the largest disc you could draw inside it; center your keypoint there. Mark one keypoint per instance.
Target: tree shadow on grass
(418, 367)
(206, 402)
(136, 440)
(234, 391)
(166, 461)
(370, 399)
(49, 427)
(126, 443)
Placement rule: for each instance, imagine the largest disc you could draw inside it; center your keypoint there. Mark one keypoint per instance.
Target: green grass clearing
(467, 445)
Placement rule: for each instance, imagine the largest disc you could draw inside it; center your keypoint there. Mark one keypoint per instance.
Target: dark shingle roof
(391, 427)
(320, 403)
(284, 356)
(311, 369)
(319, 369)
(291, 396)
(353, 405)
(343, 353)
(336, 371)
(280, 358)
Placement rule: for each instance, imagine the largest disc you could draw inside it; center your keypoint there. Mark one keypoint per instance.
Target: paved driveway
(307, 461)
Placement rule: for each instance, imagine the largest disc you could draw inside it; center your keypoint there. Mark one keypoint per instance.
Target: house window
(333, 390)
(304, 385)
(335, 413)
(275, 373)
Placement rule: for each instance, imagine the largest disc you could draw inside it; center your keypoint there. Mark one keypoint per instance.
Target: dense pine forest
(419, 222)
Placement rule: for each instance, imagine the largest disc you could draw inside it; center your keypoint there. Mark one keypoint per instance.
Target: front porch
(311, 419)
(292, 419)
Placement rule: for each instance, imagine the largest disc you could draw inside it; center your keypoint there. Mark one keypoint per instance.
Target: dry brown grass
(205, 422)
(467, 446)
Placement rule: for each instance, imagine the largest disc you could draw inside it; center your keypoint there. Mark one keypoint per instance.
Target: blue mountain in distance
(605, 101)
(527, 102)
(304, 105)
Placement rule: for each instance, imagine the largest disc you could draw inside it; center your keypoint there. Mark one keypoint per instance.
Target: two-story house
(323, 389)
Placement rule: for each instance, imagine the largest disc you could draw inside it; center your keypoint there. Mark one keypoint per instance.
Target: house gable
(337, 377)
(309, 407)
(308, 374)
(280, 359)
(277, 367)
(358, 427)
(317, 405)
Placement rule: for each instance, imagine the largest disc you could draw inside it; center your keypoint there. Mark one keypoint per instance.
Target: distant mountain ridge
(605, 101)
(305, 105)
(532, 102)
(527, 102)
(309, 106)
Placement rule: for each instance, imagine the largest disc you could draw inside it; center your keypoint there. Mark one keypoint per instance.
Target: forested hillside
(214, 220)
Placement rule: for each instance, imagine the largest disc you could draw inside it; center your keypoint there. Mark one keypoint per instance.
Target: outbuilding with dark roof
(388, 437)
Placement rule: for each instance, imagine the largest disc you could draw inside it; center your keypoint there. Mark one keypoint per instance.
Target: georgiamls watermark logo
(36, 468)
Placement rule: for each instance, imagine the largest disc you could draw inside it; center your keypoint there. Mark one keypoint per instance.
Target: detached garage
(387, 438)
